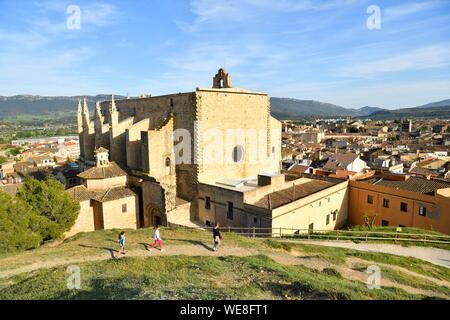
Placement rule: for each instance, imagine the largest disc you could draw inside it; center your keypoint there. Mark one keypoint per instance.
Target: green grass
(390, 232)
(406, 279)
(257, 276)
(280, 245)
(394, 230)
(339, 256)
(93, 243)
(183, 277)
(410, 263)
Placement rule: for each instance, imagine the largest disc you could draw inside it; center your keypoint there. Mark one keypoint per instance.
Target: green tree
(15, 151)
(56, 211)
(15, 220)
(3, 159)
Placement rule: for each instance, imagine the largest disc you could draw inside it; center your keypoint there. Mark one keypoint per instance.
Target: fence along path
(307, 234)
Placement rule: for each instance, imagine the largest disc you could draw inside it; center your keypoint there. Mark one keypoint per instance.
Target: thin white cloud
(206, 11)
(399, 11)
(96, 14)
(431, 57)
(38, 58)
(99, 14)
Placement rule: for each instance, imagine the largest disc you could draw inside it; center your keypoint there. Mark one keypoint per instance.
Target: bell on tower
(222, 79)
(102, 157)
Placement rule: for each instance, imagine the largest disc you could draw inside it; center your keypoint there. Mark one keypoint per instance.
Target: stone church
(172, 147)
(197, 158)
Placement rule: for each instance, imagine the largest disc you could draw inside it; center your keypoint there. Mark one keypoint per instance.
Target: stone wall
(85, 220)
(105, 184)
(245, 114)
(114, 218)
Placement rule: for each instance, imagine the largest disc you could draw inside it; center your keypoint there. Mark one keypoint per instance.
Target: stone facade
(105, 200)
(414, 202)
(165, 143)
(318, 205)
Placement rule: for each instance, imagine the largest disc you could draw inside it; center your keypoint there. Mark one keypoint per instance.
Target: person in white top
(156, 239)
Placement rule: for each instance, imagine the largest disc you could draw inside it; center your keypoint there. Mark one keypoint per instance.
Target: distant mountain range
(35, 105)
(287, 108)
(418, 112)
(443, 103)
(282, 108)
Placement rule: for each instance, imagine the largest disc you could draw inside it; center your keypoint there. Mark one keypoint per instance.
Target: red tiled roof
(283, 197)
(298, 169)
(81, 193)
(340, 160)
(112, 171)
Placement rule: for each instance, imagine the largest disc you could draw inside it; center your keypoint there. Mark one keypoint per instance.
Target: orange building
(401, 201)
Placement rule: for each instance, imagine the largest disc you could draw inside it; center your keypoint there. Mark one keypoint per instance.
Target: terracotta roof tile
(283, 197)
(414, 184)
(340, 161)
(81, 193)
(112, 171)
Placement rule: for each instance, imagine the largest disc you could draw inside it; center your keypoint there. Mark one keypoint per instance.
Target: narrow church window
(207, 203)
(230, 212)
(273, 149)
(124, 208)
(171, 103)
(167, 162)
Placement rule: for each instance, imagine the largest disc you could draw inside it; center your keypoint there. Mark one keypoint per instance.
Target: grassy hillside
(188, 269)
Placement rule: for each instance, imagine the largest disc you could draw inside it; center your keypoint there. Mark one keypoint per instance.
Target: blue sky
(306, 49)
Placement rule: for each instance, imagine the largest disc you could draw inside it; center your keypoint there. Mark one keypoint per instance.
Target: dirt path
(433, 255)
(190, 250)
(286, 258)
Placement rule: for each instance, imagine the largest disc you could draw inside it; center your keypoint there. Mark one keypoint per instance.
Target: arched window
(238, 153)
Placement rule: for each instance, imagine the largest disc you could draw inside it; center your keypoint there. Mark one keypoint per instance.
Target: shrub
(55, 210)
(15, 217)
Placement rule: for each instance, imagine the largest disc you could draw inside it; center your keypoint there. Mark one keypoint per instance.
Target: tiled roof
(112, 171)
(81, 193)
(283, 197)
(340, 161)
(298, 168)
(414, 184)
(423, 172)
(101, 149)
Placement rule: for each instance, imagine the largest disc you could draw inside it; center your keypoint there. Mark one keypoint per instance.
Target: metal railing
(307, 234)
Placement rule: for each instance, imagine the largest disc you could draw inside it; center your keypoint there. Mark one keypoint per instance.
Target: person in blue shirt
(121, 241)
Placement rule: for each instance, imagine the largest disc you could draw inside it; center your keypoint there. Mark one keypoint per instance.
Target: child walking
(157, 239)
(121, 244)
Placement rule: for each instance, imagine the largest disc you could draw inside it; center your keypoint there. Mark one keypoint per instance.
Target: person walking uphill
(157, 239)
(217, 237)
